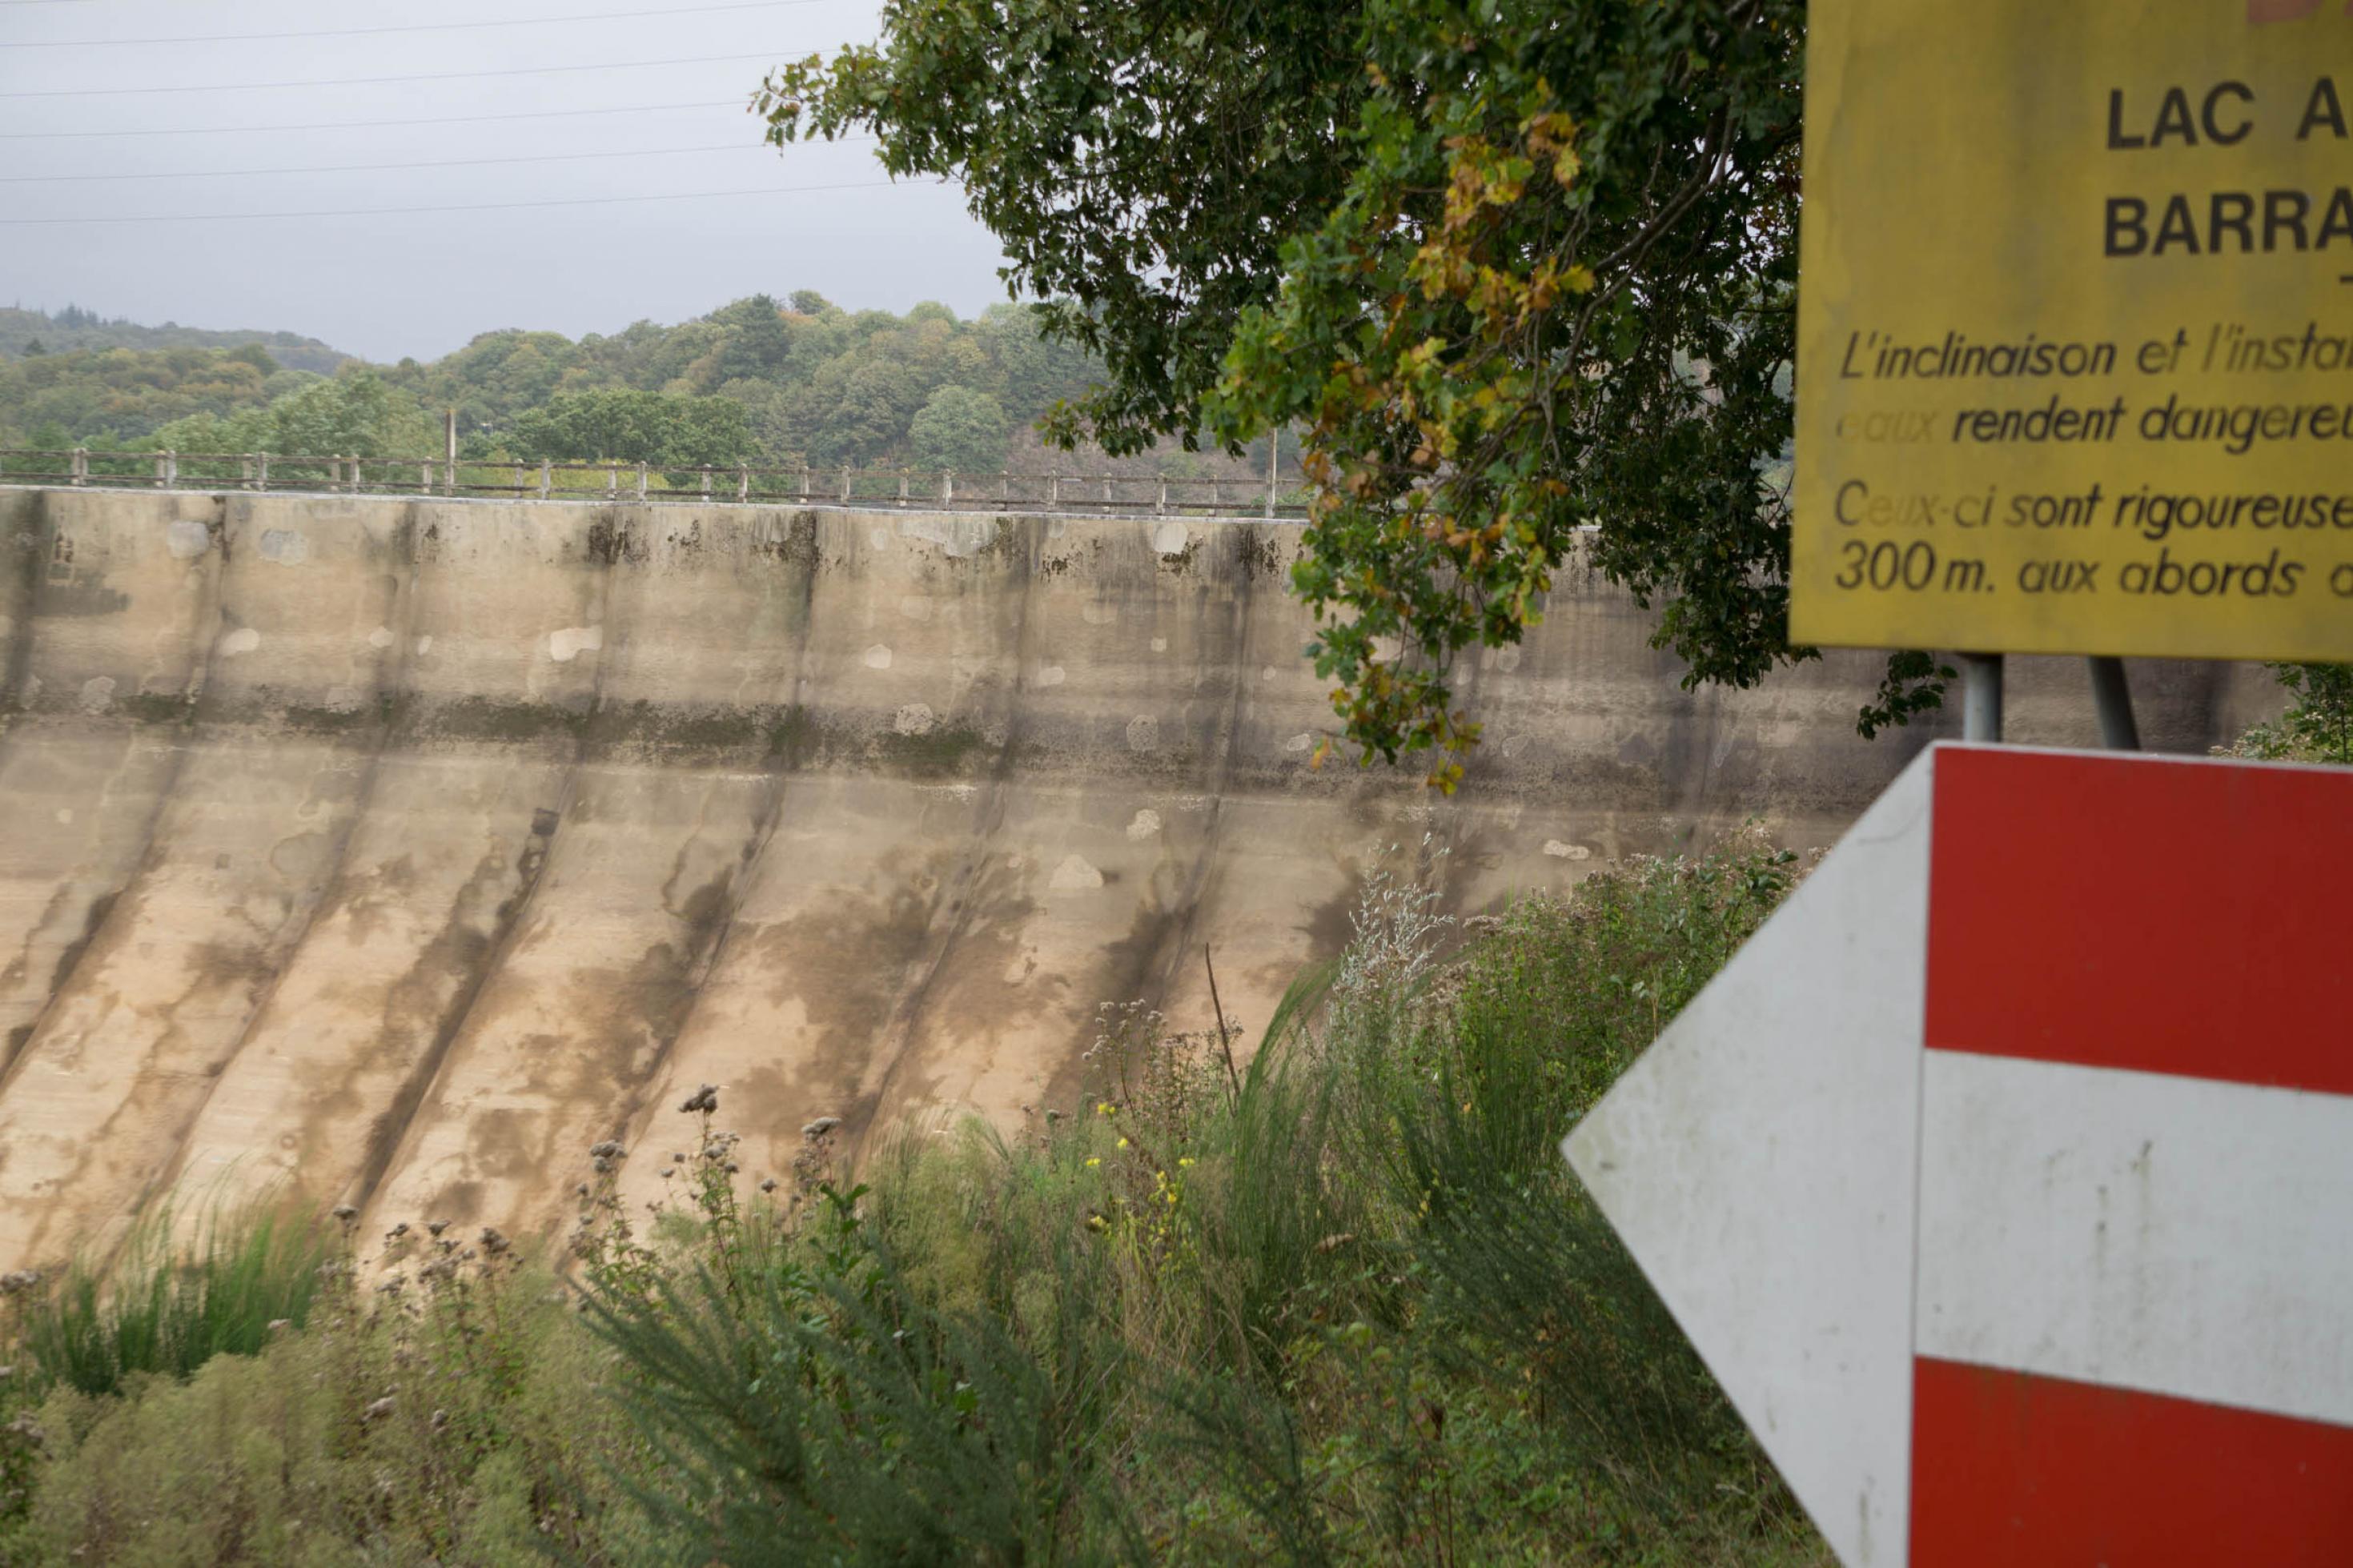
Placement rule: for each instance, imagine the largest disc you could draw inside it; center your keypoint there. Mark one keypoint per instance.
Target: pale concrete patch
(878, 657)
(957, 536)
(244, 639)
(914, 719)
(1074, 875)
(1147, 825)
(187, 539)
(1051, 675)
(1143, 733)
(570, 642)
(287, 546)
(1560, 850)
(98, 694)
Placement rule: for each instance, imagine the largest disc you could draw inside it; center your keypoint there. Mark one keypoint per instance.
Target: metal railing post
(706, 482)
(1161, 506)
(1982, 697)
(642, 481)
(161, 465)
(546, 478)
(612, 481)
(845, 484)
(902, 487)
(947, 487)
(2112, 694)
(261, 471)
(743, 481)
(805, 481)
(424, 477)
(81, 465)
(1053, 491)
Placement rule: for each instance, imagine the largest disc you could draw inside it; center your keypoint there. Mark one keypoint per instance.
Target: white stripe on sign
(2171, 1234)
(1774, 1120)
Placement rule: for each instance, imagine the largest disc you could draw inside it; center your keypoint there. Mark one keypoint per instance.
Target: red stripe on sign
(2037, 1472)
(2171, 917)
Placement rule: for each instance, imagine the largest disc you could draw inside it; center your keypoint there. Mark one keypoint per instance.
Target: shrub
(2318, 724)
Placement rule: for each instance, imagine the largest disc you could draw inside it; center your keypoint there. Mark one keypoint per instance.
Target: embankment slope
(398, 851)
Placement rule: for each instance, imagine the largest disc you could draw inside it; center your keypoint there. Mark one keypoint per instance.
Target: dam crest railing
(746, 483)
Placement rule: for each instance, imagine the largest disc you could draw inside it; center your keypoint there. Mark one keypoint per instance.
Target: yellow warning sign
(2075, 372)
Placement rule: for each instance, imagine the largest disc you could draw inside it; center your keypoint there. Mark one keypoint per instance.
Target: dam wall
(394, 851)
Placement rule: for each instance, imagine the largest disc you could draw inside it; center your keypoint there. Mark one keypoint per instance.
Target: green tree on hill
(355, 415)
(618, 425)
(958, 428)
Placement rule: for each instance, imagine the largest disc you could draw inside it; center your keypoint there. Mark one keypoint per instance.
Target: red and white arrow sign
(2005, 1178)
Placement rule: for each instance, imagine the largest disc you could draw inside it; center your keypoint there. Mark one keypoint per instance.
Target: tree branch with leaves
(1523, 275)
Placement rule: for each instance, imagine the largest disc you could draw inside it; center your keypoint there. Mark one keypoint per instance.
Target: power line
(371, 168)
(466, 207)
(405, 28)
(361, 124)
(376, 80)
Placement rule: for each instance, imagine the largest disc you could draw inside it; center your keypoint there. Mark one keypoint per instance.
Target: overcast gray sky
(423, 283)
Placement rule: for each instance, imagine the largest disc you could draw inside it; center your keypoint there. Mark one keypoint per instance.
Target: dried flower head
(704, 1098)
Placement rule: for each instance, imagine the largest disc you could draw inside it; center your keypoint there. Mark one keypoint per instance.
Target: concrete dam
(394, 851)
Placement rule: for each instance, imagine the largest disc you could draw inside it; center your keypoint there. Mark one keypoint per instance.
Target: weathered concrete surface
(398, 851)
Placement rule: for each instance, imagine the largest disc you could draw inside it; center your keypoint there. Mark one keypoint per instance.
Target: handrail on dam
(941, 488)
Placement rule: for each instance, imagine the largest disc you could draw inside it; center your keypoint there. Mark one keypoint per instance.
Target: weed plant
(2317, 725)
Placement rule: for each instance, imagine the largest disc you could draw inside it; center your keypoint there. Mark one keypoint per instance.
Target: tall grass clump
(164, 1310)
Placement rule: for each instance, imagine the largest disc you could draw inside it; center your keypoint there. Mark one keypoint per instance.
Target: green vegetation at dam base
(1341, 1303)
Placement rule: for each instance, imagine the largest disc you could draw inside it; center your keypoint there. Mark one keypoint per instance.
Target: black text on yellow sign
(2075, 372)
